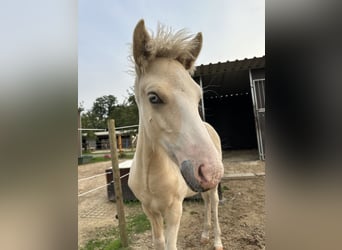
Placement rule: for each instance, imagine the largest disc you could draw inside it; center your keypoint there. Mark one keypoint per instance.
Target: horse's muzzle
(187, 170)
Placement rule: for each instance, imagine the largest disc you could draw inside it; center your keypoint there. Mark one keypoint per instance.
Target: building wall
(102, 142)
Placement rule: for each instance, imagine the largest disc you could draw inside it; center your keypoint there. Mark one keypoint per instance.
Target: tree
(132, 109)
(106, 107)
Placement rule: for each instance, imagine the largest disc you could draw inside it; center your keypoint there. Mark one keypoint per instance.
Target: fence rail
(122, 165)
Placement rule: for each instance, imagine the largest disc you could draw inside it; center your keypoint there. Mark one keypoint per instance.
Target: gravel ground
(241, 214)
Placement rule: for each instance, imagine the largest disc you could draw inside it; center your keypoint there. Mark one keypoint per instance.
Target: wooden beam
(242, 176)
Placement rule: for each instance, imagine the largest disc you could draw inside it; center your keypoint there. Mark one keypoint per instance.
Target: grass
(115, 244)
(109, 239)
(126, 155)
(102, 244)
(138, 224)
(99, 159)
(106, 157)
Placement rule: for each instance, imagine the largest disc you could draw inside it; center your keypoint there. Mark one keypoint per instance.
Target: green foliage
(107, 157)
(107, 107)
(106, 244)
(95, 244)
(138, 224)
(104, 106)
(109, 239)
(126, 155)
(113, 245)
(99, 159)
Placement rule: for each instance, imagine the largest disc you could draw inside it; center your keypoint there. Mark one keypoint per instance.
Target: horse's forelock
(169, 44)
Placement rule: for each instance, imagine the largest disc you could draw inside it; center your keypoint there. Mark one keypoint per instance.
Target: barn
(123, 139)
(234, 102)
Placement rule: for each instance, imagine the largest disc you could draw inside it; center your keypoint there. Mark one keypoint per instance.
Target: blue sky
(231, 30)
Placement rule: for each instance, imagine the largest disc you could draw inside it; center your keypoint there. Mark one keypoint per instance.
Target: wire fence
(92, 190)
(122, 165)
(91, 177)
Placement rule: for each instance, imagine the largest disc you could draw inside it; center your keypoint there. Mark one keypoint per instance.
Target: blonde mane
(168, 44)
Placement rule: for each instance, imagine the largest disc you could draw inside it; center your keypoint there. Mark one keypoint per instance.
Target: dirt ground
(241, 212)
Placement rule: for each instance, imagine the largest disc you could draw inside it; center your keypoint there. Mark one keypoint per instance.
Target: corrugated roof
(230, 66)
(228, 78)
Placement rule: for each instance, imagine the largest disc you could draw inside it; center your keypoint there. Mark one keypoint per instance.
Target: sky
(231, 30)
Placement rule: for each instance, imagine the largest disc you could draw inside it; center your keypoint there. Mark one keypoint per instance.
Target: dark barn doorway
(233, 118)
(228, 101)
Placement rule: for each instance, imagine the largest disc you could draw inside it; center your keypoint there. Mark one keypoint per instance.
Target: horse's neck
(149, 152)
(154, 169)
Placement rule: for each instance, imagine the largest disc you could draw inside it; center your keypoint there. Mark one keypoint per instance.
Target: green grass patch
(113, 245)
(96, 244)
(109, 239)
(99, 159)
(138, 224)
(86, 152)
(93, 158)
(126, 155)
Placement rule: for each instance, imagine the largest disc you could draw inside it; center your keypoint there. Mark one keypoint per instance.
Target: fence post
(117, 183)
(120, 142)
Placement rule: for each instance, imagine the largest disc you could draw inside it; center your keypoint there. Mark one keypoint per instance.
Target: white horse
(177, 153)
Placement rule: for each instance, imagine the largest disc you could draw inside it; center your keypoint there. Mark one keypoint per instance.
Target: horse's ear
(195, 49)
(197, 41)
(140, 42)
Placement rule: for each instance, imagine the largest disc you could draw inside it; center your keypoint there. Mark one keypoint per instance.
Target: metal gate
(258, 97)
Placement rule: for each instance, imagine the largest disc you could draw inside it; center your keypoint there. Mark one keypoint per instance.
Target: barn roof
(228, 78)
(229, 66)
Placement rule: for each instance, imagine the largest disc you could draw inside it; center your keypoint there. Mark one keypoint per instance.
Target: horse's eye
(154, 98)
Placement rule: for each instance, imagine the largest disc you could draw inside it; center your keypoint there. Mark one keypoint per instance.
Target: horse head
(168, 100)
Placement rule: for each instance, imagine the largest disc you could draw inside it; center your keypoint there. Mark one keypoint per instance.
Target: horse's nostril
(200, 173)
(188, 174)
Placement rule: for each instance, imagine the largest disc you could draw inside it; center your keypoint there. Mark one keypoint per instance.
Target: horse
(177, 154)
